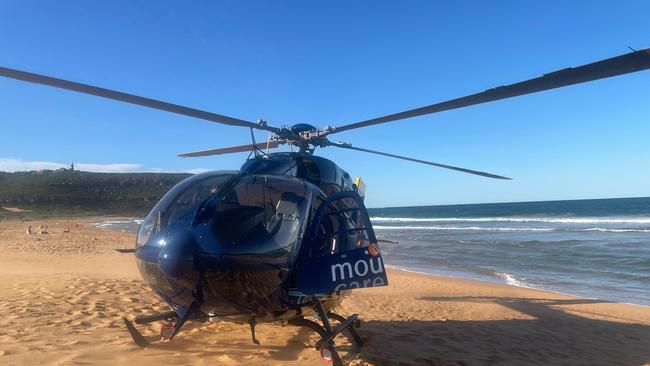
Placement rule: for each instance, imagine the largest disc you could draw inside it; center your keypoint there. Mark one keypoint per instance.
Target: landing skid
(326, 344)
(137, 337)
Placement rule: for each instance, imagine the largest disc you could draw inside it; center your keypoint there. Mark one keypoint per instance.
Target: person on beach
(29, 230)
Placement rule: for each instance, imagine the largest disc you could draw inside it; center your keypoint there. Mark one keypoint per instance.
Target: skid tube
(137, 337)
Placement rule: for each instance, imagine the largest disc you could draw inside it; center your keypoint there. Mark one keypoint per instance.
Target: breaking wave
(479, 228)
(512, 280)
(127, 225)
(380, 227)
(557, 220)
(617, 230)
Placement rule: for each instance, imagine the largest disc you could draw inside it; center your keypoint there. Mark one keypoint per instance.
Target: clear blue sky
(337, 62)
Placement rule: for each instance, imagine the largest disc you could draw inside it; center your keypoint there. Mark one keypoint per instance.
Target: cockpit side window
(341, 228)
(330, 236)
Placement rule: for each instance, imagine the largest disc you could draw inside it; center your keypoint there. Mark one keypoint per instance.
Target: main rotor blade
(475, 172)
(230, 150)
(129, 98)
(628, 63)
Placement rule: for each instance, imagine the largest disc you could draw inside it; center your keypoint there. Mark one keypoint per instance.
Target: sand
(62, 296)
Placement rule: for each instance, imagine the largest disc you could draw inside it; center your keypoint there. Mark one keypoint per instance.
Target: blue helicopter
(287, 237)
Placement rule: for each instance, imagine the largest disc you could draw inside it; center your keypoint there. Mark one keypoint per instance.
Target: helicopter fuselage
(235, 240)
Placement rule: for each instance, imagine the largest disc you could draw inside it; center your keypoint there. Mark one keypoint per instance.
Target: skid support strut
(328, 333)
(356, 323)
(252, 322)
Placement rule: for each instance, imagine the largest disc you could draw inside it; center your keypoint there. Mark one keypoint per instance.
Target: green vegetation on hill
(74, 193)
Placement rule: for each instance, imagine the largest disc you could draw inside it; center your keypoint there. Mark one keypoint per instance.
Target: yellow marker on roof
(361, 187)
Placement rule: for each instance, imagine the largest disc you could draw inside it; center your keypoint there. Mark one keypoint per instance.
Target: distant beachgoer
(29, 230)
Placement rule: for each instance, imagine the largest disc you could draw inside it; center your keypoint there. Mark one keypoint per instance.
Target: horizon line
(508, 202)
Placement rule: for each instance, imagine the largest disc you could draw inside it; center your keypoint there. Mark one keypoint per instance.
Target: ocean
(591, 248)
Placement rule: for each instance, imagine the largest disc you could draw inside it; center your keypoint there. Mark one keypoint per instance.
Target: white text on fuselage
(360, 268)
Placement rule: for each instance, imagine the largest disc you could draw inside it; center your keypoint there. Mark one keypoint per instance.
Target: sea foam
(557, 220)
(480, 228)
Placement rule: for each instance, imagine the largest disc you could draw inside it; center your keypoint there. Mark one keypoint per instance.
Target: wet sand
(62, 297)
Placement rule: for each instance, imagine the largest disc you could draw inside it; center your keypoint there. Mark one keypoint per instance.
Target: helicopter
(287, 237)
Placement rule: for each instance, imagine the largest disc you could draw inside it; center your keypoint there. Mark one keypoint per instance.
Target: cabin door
(340, 251)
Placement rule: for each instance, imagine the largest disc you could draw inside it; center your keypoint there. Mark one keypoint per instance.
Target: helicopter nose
(177, 257)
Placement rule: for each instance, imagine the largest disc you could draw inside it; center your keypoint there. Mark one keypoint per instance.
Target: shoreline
(476, 282)
(64, 296)
(482, 282)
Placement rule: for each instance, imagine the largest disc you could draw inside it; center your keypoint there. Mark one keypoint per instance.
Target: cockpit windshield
(180, 200)
(260, 214)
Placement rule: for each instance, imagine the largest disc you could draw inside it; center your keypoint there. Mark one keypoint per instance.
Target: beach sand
(62, 296)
